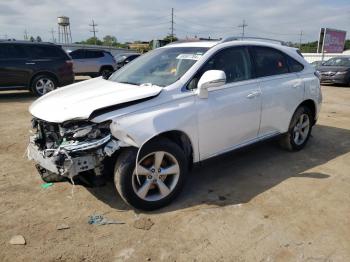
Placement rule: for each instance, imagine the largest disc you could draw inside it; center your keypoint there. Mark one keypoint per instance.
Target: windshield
(160, 67)
(340, 61)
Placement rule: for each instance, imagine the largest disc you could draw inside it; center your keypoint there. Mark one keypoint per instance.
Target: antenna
(243, 26)
(93, 25)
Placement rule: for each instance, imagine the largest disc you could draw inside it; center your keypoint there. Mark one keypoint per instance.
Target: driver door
(230, 116)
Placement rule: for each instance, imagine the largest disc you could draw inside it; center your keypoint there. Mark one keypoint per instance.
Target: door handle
(253, 94)
(31, 63)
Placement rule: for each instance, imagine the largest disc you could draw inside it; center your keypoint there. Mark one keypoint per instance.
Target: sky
(145, 20)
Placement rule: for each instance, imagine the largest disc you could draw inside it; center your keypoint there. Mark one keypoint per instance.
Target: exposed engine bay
(72, 147)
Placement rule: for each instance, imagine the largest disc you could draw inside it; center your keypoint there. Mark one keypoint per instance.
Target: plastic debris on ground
(46, 185)
(101, 220)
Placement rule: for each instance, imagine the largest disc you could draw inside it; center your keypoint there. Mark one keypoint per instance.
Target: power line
(25, 34)
(53, 35)
(243, 26)
(93, 25)
(172, 25)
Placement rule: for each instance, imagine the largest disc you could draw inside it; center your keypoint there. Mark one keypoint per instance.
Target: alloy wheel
(44, 85)
(301, 129)
(156, 176)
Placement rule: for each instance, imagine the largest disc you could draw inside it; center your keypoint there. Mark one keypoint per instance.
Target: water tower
(64, 33)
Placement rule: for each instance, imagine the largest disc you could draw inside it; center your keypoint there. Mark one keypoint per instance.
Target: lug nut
(159, 170)
(153, 170)
(149, 177)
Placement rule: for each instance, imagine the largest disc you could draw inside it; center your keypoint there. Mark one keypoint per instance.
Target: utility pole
(172, 24)
(243, 26)
(93, 25)
(301, 35)
(25, 34)
(53, 35)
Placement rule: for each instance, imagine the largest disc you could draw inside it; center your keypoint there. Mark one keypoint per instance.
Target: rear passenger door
(14, 70)
(79, 61)
(282, 90)
(94, 60)
(230, 116)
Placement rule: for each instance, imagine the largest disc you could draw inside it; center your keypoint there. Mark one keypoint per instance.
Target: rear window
(8, 51)
(94, 54)
(269, 61)
(294, 66)
(38, 51)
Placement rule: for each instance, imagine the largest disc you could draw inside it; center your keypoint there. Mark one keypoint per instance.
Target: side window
(235, 62)
(294, 66)
(94, 54)
(78, 54)
(41, 51)
(269, 62)
(11, 52)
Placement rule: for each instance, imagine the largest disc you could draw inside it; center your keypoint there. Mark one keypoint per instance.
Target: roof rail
(240, 38)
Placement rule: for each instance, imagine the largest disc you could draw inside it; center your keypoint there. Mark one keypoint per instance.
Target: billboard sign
(332, 40)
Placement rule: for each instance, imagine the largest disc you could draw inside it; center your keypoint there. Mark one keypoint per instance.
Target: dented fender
(177, 115)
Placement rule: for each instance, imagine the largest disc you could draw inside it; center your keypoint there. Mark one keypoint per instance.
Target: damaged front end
(70, 148)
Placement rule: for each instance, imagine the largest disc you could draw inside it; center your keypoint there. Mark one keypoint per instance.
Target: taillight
(69, 64)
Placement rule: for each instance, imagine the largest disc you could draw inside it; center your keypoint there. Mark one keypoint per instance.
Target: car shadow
(22, 96)
(239, 176)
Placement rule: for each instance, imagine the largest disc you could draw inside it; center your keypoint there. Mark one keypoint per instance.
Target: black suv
(39, 67)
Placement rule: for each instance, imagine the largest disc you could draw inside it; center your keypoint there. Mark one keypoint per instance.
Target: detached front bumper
(71, 159)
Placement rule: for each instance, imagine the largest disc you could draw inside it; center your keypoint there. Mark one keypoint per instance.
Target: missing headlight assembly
(70, 148)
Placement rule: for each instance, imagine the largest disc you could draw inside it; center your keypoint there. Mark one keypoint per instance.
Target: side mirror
(211, 78)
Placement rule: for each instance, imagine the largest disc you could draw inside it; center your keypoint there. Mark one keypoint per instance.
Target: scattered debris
(143, 223)
(46, 185)
(148, 259)
(100, 220)
(17, 240)
(266, 216)
(62, 227)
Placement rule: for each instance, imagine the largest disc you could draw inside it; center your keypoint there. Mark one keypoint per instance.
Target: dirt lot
(259, 204)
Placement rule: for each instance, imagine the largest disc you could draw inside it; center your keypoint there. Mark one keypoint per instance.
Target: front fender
(137, 128)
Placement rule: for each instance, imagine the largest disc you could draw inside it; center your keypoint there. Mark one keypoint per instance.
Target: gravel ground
(258, 204)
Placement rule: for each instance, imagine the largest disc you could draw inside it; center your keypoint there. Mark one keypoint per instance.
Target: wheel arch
(107, 67)
(309, 103)
(43, 73)
(181, 139)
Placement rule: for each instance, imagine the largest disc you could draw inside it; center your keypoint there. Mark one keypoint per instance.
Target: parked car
(93, 62)
(335, 71)
(171, 108)
(38, 67)
(316, 64)
(123, 59)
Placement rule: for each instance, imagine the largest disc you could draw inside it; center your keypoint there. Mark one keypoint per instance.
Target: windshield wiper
(130, 83)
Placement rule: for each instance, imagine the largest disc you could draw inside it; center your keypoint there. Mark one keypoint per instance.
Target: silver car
(93, 62)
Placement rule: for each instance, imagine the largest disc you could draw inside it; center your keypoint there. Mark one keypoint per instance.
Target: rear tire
(151, 189)
(106, 72)
(299, 130)
(43, 84)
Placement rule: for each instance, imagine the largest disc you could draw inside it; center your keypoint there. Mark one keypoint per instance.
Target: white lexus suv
(173, 107)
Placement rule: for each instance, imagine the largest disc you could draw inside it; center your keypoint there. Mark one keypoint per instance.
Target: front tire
(162, 170)
(299, 130)
(42, 84)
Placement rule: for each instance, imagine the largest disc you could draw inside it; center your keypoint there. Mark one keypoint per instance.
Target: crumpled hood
(79, 100)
